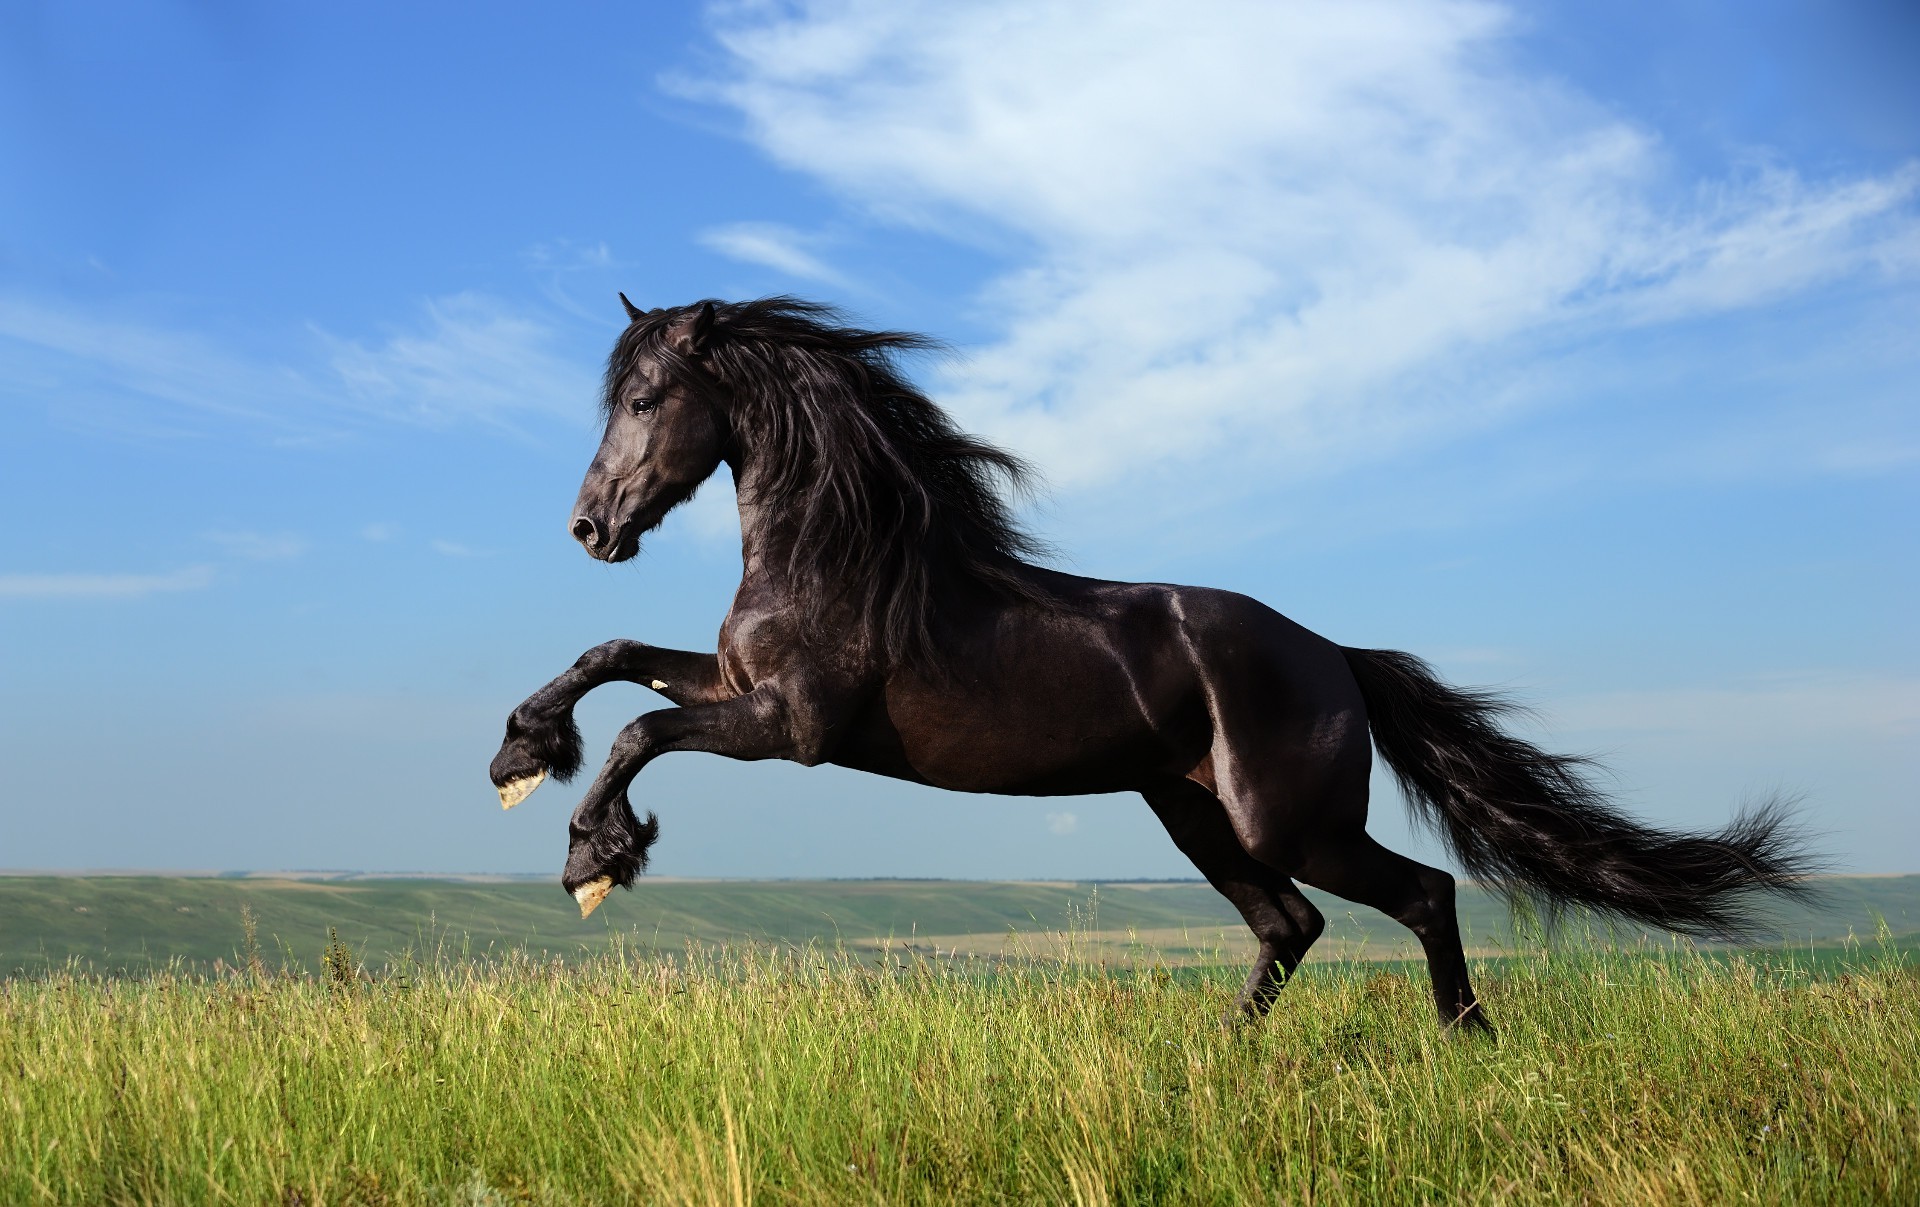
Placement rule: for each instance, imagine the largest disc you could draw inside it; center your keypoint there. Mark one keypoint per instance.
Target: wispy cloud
(92, 361)
(456, 549)
(1308, 227)
(379, 531)
(562, 255)
(472, 358)
(564, 267)
(466, 358)
(102, 586)
(1062, 824)
(260, 546)
(771, 245)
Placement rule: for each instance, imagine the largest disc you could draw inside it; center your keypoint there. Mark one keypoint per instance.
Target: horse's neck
(766, 542)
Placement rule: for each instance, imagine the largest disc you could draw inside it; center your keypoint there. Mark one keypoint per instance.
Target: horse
(893, 617)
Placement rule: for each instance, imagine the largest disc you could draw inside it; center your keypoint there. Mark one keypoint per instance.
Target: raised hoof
(514, 791)
(592, 893)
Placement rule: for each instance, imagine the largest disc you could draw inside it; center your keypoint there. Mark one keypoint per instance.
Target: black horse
(889, 619)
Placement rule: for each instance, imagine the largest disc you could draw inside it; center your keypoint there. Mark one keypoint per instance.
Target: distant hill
(131, 923)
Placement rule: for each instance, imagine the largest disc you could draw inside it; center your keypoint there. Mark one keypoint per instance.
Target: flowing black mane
(894, 508)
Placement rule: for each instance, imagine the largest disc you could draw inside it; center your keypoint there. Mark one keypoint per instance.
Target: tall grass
(763, 1076)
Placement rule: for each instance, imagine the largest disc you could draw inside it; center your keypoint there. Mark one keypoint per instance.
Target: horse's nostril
(585, 530)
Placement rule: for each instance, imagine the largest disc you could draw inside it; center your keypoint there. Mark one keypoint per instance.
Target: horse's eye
(640, 406)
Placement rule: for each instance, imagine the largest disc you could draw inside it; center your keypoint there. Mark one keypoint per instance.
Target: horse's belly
(1044, 758)
(1039, 742)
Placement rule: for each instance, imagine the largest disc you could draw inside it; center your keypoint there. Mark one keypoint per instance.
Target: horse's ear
(688, 337)
(633, 312)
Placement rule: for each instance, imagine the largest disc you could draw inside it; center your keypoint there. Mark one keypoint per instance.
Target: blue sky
(1570, 348)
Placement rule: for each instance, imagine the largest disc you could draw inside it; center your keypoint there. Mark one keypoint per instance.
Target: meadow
(116, 924)
(1074, 1071)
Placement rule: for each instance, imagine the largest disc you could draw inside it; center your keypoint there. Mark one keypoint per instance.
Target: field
(137, 923)
(1065, 1070)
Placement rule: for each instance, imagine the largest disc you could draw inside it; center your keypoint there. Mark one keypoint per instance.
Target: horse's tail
(1530, 824)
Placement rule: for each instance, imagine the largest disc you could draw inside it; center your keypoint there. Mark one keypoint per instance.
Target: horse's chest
(757, 644)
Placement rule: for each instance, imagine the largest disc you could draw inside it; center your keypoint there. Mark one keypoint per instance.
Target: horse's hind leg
(1354, 866)
(1284, 921)
(1289, 760)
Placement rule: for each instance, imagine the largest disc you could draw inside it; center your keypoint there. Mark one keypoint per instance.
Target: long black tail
(1530, 824)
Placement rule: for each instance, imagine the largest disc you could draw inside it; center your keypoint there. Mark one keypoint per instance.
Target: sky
(1570, 347)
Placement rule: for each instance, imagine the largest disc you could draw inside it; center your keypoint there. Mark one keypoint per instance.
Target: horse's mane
(894, 508)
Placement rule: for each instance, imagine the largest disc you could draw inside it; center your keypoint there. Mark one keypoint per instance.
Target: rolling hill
(131, 923)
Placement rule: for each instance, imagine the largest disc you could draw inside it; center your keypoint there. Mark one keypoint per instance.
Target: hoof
(514, 791)
(1471, 1021)
(592, 893)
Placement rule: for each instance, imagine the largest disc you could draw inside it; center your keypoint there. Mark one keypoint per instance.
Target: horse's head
(665, 430)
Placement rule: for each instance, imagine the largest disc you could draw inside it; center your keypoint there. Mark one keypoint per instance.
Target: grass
(781, 1076)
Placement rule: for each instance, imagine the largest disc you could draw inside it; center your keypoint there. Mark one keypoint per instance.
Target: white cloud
(564, 269)
(771, 246)
(260, 546)
(102, 586)
(468, 358)
(1062, 824)
(562, 255)
(59, 353)
(1303, 227)
(456, 549)
(379, 531)
(472, 359)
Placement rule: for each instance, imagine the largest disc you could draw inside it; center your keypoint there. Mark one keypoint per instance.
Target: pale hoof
(592, 893)
(658, 684)
(514, 791)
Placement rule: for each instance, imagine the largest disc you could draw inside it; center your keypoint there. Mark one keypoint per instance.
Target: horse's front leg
(608, 844)
(541, 737)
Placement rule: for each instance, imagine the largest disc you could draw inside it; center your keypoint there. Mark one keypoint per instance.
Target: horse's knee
(1435, 904)
(634, 740)
(1439, 888)
(609, 655)
(1292, 927)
